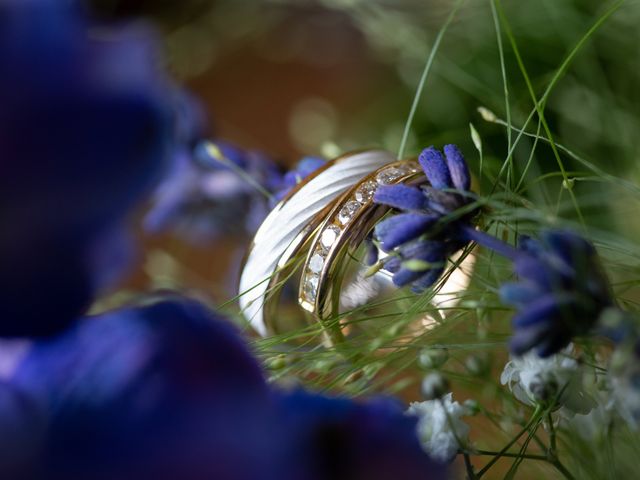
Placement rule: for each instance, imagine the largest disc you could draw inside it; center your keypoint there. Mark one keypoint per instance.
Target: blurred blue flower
(85, 131)
(212, 190)
(163, 391)
(170, 390)
(339, 439)
(22, 429)
(421, 239)
(561, 291)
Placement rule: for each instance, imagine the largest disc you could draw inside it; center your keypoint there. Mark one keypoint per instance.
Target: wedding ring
(290, 224)
(343, 230)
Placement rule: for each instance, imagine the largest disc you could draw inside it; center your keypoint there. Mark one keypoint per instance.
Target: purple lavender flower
(85, 131)
(560, 293)
(421, 238)
(170, 391)
(212, 190)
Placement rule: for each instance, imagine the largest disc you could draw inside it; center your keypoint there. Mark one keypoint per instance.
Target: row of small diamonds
(331, 232)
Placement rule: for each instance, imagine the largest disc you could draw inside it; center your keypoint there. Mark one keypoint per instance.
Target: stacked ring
(284, 232)
(323, 219)
(346, 225)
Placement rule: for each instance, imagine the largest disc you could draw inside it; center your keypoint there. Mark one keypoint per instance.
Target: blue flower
(85, 132)
(212, 190)
(338, 439)
(163, 391)
(170, 390)
(420, 239)
(560, 293)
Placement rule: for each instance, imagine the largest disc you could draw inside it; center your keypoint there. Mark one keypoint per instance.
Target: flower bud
(478, 364)
(432, 358)
(434, 386)
(472, 406)
(277, 362)
(543, 388)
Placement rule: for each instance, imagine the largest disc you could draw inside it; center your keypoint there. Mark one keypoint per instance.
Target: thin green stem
(471, 474)
(530, 160)
(528, 456)
(518, 461)
(423, 78)
(562, 469)
(595, 169)
(503, 71)
(557, 76)
(539, 106)
(490, 242)
(534, 418)
(552, 436)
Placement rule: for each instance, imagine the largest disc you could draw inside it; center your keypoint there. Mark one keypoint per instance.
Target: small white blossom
(434, 386)
(433, 357)
(624, 382)
(591, 426)
(436, 431)
(534, 380)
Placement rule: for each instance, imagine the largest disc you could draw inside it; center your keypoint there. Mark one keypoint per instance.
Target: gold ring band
(345, 227)
(283, 233)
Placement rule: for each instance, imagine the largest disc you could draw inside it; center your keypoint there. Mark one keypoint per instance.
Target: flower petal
(308, 165)
(519, 293)
(529, 245)
(567, 244)
(371, 255)
(573, 255)
(435, 168)
(401, 228)
(425, 251)
(392, 263)
(457, 167)
(441, 202)
(536, 271)
(540, 311)
(427, 280)
(526, 338)
(400, 196)
(553, 343)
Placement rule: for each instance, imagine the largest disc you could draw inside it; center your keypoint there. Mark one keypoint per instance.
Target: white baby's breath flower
(437, 422)
(624, 381)
(535, 380)
(591, 426)
(434, 386)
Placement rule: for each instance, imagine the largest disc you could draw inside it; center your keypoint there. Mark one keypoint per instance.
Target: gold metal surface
(324, 305)
(284, 232)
